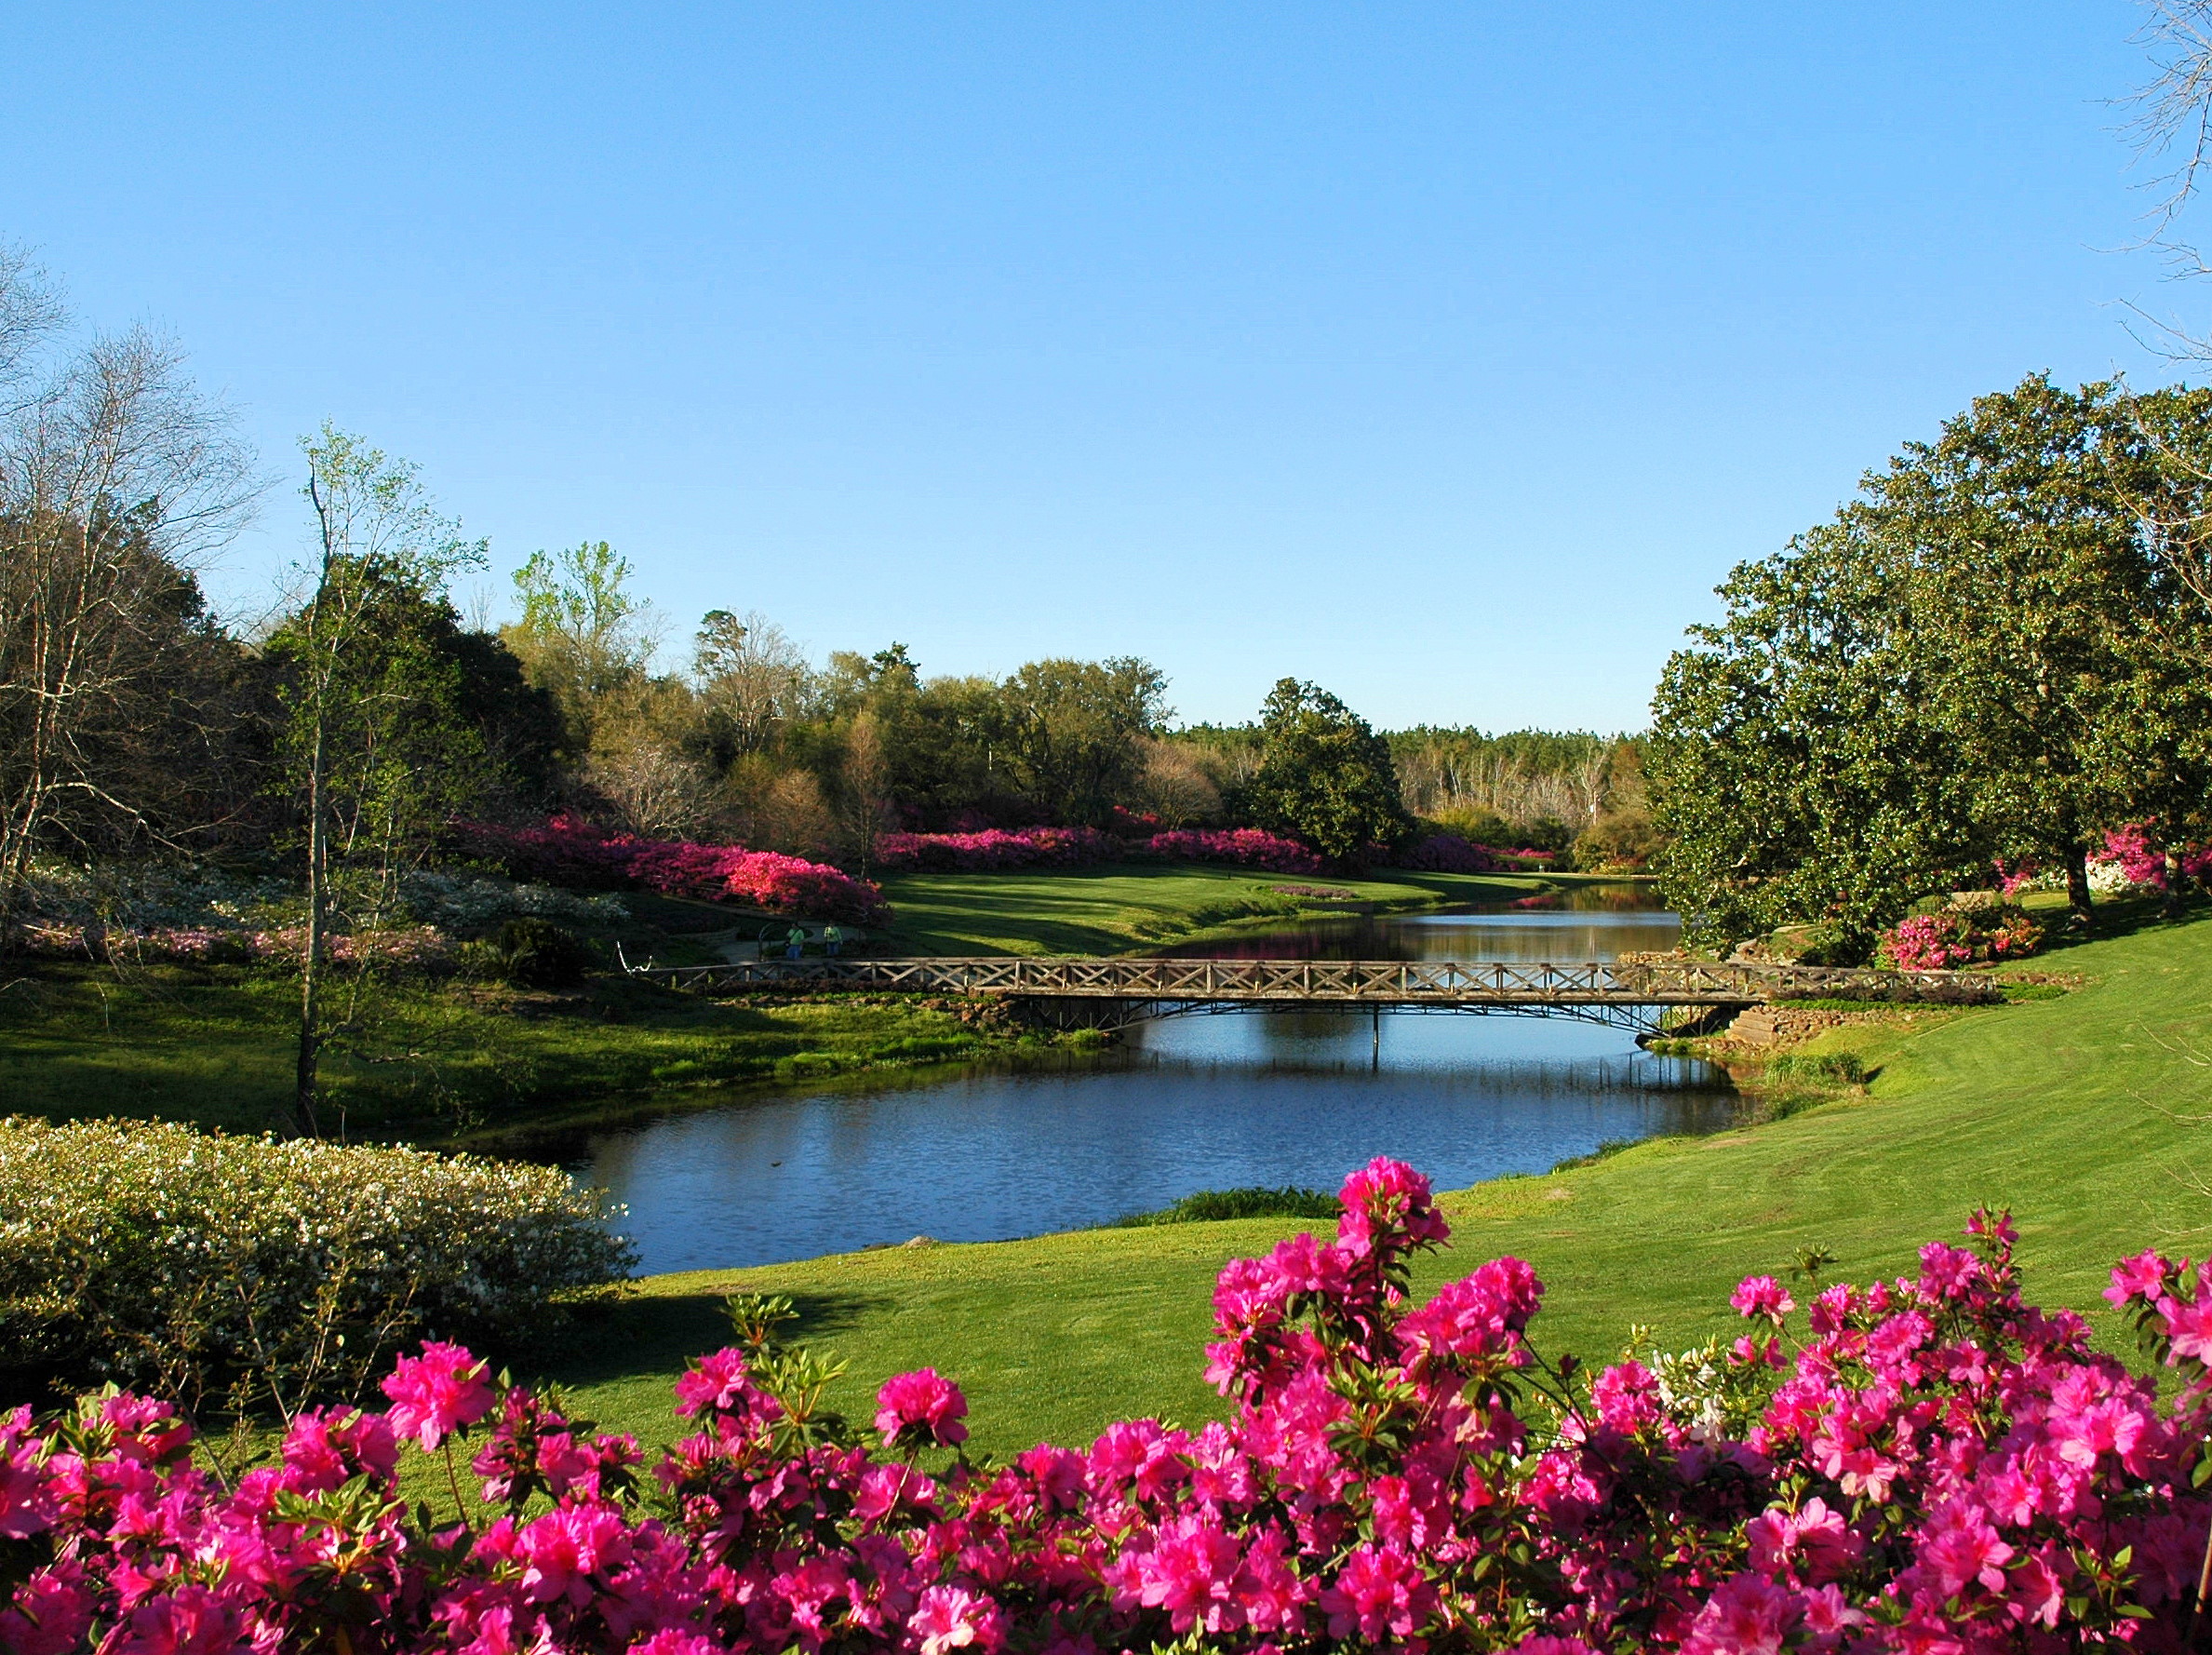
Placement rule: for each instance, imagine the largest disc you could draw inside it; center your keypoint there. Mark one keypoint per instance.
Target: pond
(1200, 1102)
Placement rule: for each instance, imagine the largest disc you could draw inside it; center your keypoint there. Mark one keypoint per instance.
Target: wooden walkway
(1384, 984)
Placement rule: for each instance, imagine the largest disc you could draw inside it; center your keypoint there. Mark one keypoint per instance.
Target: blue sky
(1445, 354)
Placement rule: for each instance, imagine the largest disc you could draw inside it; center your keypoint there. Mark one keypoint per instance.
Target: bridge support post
(1374, 1017)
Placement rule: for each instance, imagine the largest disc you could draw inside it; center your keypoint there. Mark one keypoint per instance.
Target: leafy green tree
(1983, 656)
(369, 737)
(1078, 730)
(1794, 776)
(1324, 778)
(583, 634)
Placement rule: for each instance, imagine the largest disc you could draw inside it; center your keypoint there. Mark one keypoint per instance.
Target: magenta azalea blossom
(434, 1394)
(922, 1407)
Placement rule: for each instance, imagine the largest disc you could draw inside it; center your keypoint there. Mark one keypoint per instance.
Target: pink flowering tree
(1925, 1465)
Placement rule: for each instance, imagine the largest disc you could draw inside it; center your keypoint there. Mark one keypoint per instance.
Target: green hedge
(253, 1273)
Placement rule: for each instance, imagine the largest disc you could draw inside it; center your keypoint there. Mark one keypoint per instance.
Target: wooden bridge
(1116, 992)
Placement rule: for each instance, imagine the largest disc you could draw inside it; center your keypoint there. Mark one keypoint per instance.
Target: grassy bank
(1127, 909)
(2086, 1114)
(431, 1059)
(213, 1046)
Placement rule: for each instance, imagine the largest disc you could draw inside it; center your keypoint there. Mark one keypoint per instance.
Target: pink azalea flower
(1762, 1296)
(434, 1394)
(948, 1618)
(1746, 1616)
(922, 1407)
(2142, 1277)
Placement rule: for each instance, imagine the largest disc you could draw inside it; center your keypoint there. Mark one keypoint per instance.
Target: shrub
(567, 850)
(533, 953)
(1247, 1201)
(210, 1266)
(1249, 846)
(1940, 1467)
(1953, 937)
(994, 848)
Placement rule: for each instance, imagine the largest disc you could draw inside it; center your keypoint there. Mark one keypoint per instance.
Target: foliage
(994, 847)
(565, 851)
(1982, 656)
(1954, 936)
(1247, 1201)
(533, 953)
(259, 1273)
(1940, 1465)
(1249, 846)
(1325, 778)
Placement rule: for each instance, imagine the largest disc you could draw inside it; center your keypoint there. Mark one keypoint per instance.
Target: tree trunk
(2080, 913)
(311, 959)
(2176, 884)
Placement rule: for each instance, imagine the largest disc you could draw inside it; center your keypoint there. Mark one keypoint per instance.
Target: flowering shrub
(1939, 1468)
(413, 947)
(1448, 853)
(565, 851)
(1953, 937)
(2141, 862)
(154, 1254)
(995, 848)
(1246, 845)
(1082, 847)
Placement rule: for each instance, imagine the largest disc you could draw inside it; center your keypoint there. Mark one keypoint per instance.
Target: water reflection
(1191, 1103)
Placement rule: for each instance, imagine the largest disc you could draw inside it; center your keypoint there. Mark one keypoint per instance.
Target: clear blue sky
(1446, 355)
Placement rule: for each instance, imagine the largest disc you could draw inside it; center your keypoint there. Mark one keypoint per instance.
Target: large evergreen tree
(1324, 778)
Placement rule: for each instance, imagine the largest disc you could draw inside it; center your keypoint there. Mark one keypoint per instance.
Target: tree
(583, 634)
(1324, 778)
(1981, 657)
(362, 704)
(116, 479)
(751, 679)
(1078, 731)
(1794, 775)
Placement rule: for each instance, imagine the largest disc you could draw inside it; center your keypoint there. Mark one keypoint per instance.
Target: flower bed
(154, 1254)
(1939, 1467)
(1248, 846)
(565, 851)
(996, 848)
(1953, 937)
(1447, 853)
(410, 947)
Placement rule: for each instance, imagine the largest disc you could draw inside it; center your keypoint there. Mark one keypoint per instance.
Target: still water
(1191, 1103)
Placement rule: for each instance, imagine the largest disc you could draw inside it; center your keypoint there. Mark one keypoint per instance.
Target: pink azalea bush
(1938, 1468)
(1249, 846)
(2141, 859)
(410, 947)
(994, 848)
(1448, 853)
(1954, 937)
(568, 851)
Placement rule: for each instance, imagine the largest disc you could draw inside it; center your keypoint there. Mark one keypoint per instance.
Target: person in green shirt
(831, 937)
(795, 942)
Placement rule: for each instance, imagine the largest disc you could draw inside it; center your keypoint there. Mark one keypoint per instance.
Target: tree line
(339, 734)
(2000, 649)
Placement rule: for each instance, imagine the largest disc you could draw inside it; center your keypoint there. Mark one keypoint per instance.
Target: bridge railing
(1383, 982)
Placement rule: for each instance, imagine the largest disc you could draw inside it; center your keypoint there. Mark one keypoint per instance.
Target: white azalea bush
(256, 1272)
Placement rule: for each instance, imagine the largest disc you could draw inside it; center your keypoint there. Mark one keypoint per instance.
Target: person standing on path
(831, 937)
(795, 942)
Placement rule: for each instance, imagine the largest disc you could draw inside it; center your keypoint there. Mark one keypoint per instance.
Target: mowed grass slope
(1117, 909)
(2089, 1115)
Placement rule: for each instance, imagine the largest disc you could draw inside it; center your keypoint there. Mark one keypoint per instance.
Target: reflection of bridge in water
(1643, 995)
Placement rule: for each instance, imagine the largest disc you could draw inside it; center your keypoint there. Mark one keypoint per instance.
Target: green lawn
(437, 1061)
(2090, 1115)
(1126, 909)
(214, 1046)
